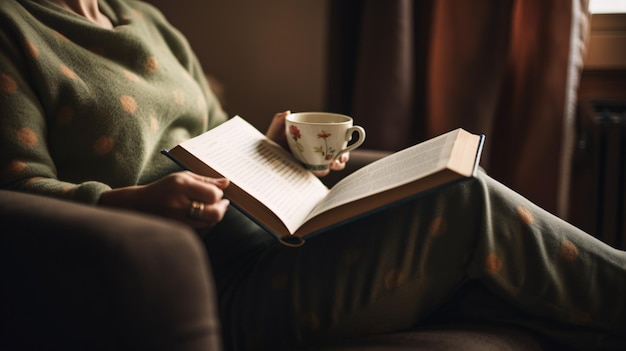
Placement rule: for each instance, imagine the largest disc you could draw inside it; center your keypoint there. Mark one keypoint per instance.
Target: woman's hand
(276, 132)
(184, 196)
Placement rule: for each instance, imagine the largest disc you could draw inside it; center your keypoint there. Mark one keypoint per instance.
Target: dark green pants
(392, 269)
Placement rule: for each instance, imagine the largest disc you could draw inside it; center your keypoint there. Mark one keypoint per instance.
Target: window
(607, 6)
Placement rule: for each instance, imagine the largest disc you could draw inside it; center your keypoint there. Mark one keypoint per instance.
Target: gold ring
(196, 209)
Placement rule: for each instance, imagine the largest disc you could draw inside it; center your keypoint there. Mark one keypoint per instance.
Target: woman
(90, 92)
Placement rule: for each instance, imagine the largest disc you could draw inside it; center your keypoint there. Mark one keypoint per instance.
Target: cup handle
(354, 145)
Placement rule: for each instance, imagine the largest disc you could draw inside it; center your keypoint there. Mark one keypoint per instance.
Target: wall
(269, 55)
(604, 71)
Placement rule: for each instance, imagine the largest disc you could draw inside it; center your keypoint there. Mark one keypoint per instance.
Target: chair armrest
(83, 277)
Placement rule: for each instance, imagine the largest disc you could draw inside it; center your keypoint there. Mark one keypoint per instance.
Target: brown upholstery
(76, 277)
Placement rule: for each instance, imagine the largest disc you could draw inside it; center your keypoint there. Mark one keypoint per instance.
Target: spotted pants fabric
(390, 270)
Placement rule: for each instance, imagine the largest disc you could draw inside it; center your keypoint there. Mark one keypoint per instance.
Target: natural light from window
(607, 6)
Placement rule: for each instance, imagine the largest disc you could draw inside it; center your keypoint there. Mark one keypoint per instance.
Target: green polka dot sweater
(85, 109)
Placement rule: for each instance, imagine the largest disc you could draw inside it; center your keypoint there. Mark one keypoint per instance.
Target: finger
(345, 157)
(321, 173)
(279, 118)
(277, 125)
(276, 130)
(221, 183)
(209, 215)
(205, 192)
(340, 163)
(206, 189)
(337, 165)
(214, 213)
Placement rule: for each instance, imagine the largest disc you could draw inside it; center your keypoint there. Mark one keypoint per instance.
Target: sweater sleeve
(25, 161)
(84, 109)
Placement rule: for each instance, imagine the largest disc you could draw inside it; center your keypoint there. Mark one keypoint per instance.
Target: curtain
(410, 70)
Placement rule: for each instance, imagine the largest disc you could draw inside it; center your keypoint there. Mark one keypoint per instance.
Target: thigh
(388, 270)
(379, 273)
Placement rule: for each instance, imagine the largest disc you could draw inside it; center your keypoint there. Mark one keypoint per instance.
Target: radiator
(604, 141)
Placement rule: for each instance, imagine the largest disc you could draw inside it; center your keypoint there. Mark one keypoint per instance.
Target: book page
(241, 153)
(392, 171)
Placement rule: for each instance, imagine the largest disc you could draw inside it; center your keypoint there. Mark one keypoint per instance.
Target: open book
(270, 185)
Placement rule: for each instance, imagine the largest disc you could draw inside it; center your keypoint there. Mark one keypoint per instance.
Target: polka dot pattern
(15, 167)
(131, 76)
(65, 115)
(154, 124)
(32, 50)
(568, 251)
(179, 97)
(137, 14)
(33, 180)
(201, 103)
(60, 36)
(27, 137)
(7, 84)
(525, 215)
(128, 104)
(66, 71)
(151, 65)
(103, 146)
(493, 263)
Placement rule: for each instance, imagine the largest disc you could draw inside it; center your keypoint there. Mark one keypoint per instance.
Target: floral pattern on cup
(328, 152)
(295, 135)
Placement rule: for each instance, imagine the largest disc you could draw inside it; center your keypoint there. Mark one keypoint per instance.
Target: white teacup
(318, 138)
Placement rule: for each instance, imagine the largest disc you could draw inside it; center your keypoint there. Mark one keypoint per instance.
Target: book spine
(167, 153)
